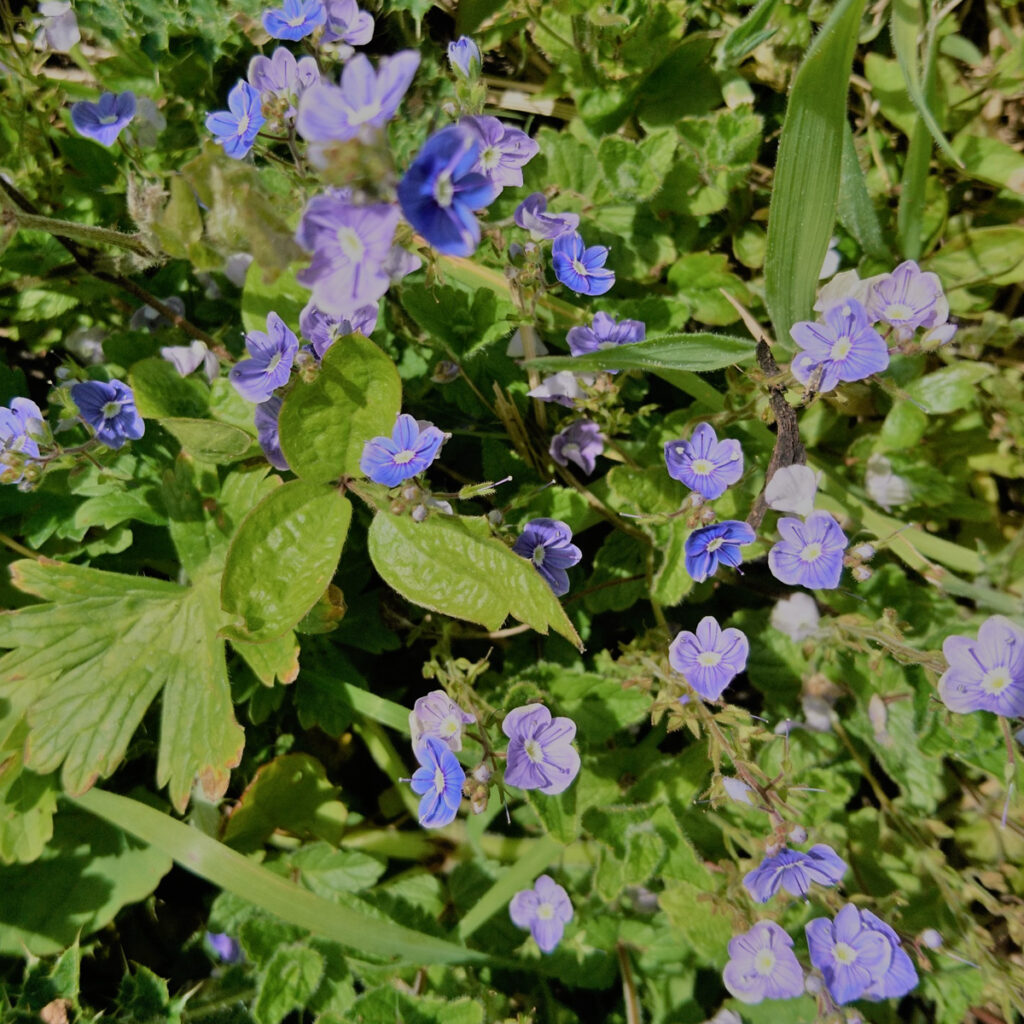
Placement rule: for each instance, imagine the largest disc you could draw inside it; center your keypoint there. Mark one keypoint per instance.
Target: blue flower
(439, 716)
(540, 751)
(439, 780)
(237, 127)
(545, 910)
(846, 347)
(794, 872)
(104, 120)
(282, 77)
(464, 57)
(853, 955)
(986, 674)
(604, 332)
(347, 24)
(548, 544)
(503, 150)
(581, 442)
(266, 417)
(709, 545)
(901, 977)
(531, 215)
(762, 965)
(225, 946)
(21, 426)
(109, 408)
(810, 553)
(296, 19)
(580, 268)
(322, 329)
(711, 658)
(907, 299)
(271, 355)
(441, 190)
(705, 464)
(408, 451)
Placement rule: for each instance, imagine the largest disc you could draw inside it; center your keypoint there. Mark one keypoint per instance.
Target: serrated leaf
(328, 871)
(671, 352)
(271, 660)
(325, 424)
(283, 557)
(290, 793)
(705, 928)
(806, 188)
(453, 565)
(98, 653)
(290, 979)
(27, 805)
(208, 440)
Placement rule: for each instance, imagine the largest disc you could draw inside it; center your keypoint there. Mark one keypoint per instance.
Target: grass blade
(803, 206)
(697, 353)
(856, 211)
(229, 870)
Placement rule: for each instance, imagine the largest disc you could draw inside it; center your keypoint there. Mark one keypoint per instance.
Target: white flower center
(438, 780)
(533, 751)
(845, 953)
(243, 125)
(444, 191)
(110, 410)
(577, 265)
(995, 680)
(680, 450)
(897, 311)
(538, 555)
(708, 659)
(449, 726)
(275, 360)
(811, 552)
(570, 449)
(764, 962)
(715, 544)
(108, 118)
(403, 457)
(702, 467)
(351, 244)
(840, 348)
(296, 21)
(545, 911)
(490, 157)
(360, 115)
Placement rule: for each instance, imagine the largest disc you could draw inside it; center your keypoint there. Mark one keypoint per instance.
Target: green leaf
(699, 278)
(289, 981)
(160, 391)
(453, 565)
(990, 256)
(272, 659)
(856, 211)
(143, 998)
(86, 874)
(635, 171)
(283, 557)
(325, 424)
(670, 352)
(328, 871)
(242, 876)
(991, 161)
(748, 34)
(283, 296)
(703, 926)
(97, 653)
(208, 440)
(290, 794)
(951, 388)
(806, 187)
(465, 320)
(27, 805)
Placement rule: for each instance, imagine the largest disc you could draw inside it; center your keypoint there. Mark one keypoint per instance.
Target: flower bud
(865, 552)
(419, 513)
(861, 573)
(931, 939)
(798, 834)
(482, 773)
(464, 57)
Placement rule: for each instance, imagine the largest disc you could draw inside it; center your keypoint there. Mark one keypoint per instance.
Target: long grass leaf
(856, 211)
(806, 188)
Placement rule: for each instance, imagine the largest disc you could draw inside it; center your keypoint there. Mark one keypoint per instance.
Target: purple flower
(540, 751)
(439, 780)
(350, 245)
(439, 716)
(281, 75)
(548, 544)
(846, 347)
(328, 113)
(322, 329)
(346, 23)
(503, 150)
(109, 408)
(810, 553)
(581, 442)
(441, 190)
(237, 127)
(794, 872)
(705, 464)
(580, 268)
(225, 946)
(266, 417)
(408, 451)
(709, 545)
(562, 387)
(901, 977)
(711, 658)
(58, 27)
(545, 910)
(186, 359)
(20, 426)
(907, 299)
(271, 355)
(103, 121)
(531, 216)
(604, 332)
(852, 955)
(464, 57)
(986, 674)
(762, 965)
(296, 19)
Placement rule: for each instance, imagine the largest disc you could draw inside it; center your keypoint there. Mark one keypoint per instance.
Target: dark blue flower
(439, 780)
(441, 190)
(580, 268)
(794, 871)
(604, 332)
(296, 19)
(237, 127)
(266, 417)
(271, 355)
(109, 408)
(103, 121)
(408, 451)
(709, 545)
(548, 544)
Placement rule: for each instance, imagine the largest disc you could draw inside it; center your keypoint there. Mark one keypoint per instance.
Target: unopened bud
(410, 493)
(707, 514)
(798, 834)
(865, 552)
(495, 517)
(482, 773)
(445, 372)
(931, 939)
(478, 799)
(813, 984)
(419, 513)
(861, 573)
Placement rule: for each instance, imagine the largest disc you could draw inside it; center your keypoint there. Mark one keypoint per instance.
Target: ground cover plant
(511, 511)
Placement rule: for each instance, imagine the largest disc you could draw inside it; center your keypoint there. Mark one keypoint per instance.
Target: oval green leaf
(283, 557)
(453, 565)
(324, 424)
(208, 440)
